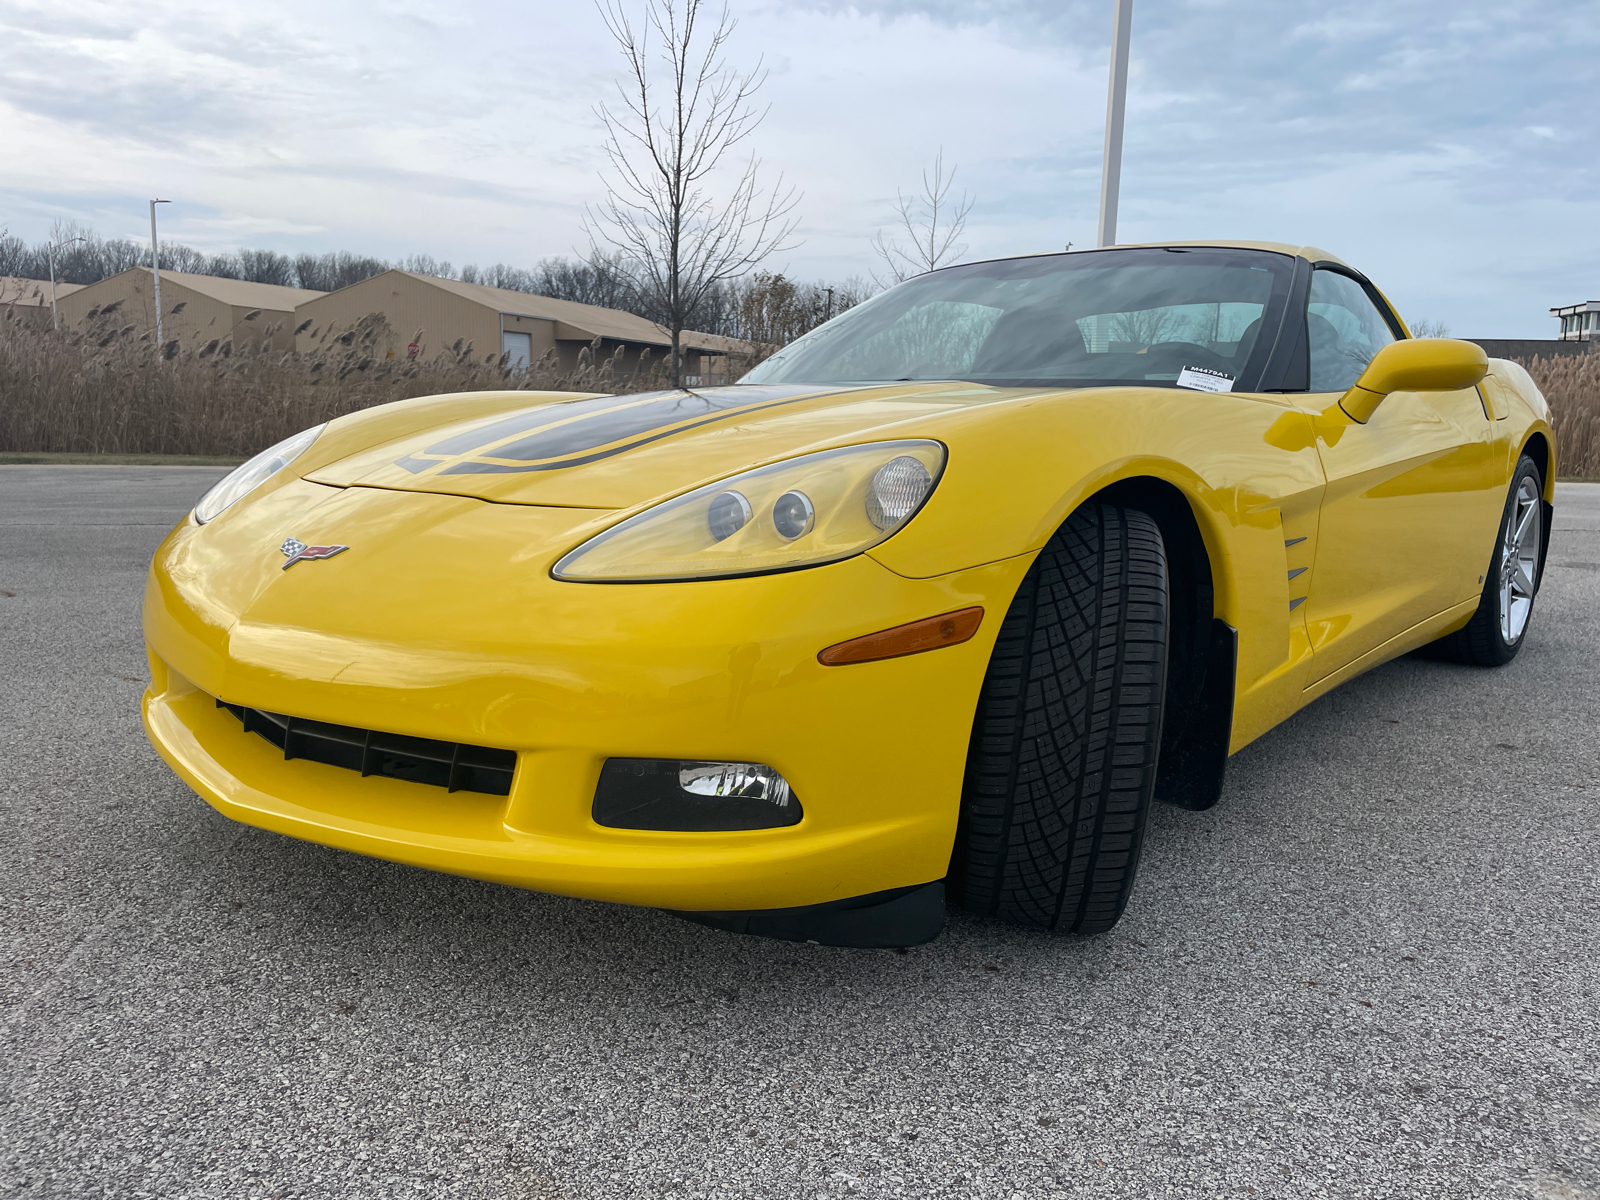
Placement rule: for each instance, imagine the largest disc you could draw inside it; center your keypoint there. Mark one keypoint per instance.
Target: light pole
(155, 270)
(50, 250)
(1116, 102)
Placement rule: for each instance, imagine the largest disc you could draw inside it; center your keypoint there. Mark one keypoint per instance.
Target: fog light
(692, 796)
(753, 780)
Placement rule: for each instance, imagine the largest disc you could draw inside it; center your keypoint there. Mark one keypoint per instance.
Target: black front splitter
(907, 916)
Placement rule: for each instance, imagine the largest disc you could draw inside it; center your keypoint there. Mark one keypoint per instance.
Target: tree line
(765, 307)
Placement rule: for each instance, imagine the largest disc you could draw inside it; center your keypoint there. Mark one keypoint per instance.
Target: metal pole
(155, 271)
(50, 248)
(1116, 103)
(55, 317)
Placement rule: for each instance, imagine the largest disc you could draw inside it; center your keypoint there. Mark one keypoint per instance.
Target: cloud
(1431, 143)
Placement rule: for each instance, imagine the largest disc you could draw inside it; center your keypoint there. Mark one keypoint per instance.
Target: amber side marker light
(930, 633)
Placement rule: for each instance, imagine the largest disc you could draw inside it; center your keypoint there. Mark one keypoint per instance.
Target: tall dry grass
(1571, 386)
(101, 389)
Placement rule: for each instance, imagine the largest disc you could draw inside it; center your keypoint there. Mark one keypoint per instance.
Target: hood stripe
(585, 431)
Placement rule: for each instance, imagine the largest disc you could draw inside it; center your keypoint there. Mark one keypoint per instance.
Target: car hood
(619, 451)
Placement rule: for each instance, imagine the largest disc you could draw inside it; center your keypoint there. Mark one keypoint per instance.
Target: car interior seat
(1033, 341)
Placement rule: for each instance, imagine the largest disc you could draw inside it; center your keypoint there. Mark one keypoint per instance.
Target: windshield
(1155, 317)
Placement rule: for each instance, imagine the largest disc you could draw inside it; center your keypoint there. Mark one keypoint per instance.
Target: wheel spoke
(1522, 579)
(1521, 546)
(1524, 524)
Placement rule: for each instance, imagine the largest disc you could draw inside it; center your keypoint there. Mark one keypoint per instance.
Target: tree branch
(680, 113)
(931, 231)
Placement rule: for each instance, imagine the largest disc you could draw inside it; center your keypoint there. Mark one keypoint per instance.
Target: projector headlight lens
(803, 512)
(792, 514)
(243, 480)
(727, 514)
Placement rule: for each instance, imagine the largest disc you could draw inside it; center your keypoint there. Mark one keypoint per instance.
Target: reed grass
(1571, 387)
(101, 389)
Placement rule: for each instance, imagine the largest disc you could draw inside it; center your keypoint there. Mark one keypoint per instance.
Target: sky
(1450, 150)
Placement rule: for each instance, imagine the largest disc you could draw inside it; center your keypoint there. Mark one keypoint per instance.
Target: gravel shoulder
(1371, 971)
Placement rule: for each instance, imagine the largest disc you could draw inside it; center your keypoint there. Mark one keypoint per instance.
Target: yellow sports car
(938, 599)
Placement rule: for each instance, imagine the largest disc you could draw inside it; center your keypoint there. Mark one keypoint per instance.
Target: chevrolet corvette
(930, 607)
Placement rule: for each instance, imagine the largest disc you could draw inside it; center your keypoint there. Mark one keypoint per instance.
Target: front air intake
(454, 766)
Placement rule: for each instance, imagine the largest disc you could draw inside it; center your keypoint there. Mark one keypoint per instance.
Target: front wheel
(1500, 625)
(1064, 745)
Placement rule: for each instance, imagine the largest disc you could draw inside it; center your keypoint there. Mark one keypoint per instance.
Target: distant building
(29, 299)
(1579, 322)
(197, 309)
(429, 316)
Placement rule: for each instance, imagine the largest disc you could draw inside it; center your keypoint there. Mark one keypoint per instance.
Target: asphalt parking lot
(1371, 971)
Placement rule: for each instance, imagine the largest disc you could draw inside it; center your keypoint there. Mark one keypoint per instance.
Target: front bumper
(442, 622)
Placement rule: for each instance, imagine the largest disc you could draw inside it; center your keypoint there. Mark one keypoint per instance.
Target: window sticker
(1204, 379)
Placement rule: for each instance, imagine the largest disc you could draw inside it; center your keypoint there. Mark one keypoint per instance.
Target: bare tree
(602, 279)
(682, 113)
(771, 310)
(334, 270)
(12, 283)
(1148, 327)
(1429, 329)
(932, 223)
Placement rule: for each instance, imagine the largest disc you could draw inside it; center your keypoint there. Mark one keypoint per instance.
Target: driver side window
(1344, 329)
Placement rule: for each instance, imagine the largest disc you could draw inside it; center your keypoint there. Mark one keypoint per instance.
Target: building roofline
(236, 293)
(590, 320)
(33, 293)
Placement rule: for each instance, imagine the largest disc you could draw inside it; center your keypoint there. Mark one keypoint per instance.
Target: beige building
(29, 299)
(196, 309)
(428, 316)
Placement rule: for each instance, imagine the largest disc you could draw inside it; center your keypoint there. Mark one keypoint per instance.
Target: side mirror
(1415, 365)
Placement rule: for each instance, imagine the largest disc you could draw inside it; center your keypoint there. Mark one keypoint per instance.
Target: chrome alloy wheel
(1519, 560)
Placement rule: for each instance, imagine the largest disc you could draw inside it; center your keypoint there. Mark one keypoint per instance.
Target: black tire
(1068, 730)
(1482, 642)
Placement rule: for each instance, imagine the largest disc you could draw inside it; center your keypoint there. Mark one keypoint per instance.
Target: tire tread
(1068, 728)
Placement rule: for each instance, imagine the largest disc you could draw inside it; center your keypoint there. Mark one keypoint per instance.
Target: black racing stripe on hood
(528, 419)
(606, 427)
(560, 434)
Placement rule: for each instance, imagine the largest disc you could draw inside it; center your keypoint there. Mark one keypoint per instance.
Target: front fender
(1247, 465)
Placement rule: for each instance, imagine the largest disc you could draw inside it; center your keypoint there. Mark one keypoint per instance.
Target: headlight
(807, 511)
(245, 479)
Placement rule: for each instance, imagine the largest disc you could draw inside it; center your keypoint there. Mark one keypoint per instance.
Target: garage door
(518, 347)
